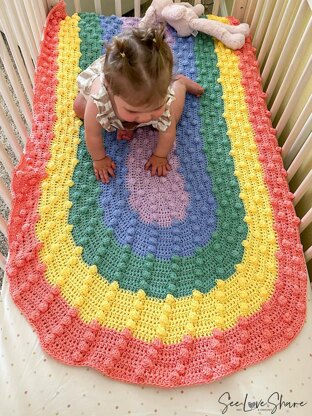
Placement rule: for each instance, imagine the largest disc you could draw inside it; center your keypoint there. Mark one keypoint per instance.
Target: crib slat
(10, 135)
(137, 8)
(34, 29)
(294, 98)
(299, 141)
(249, 11)
(263, 23)
(255, 19)
(284, 56)
(216, 7)
(25, 28)
(77, 6)
(270, 34)
(13, 109)
(238, 9)
(274, 49)
(10, 35)
(291, 142)
(305, 150)
(44, 8)
(6, 160)
(98, 6)
(25, 48)
(5, 193)
(308, 254)
(24, 106)
(39, 9)
(306, 220)
(292, 67)
(302, 189)
(3, 226)
(2, 261)
(118, 7)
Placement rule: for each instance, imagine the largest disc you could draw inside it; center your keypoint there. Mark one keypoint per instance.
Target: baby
(129, 87)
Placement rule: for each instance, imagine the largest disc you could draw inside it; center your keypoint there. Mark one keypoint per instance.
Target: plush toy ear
(173, 12)
(149, 19)
(199, 9)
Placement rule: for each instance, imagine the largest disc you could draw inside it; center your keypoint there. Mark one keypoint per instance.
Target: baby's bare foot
(191, 86)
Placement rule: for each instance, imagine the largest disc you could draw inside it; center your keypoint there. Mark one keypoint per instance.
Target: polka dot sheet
(34, 384)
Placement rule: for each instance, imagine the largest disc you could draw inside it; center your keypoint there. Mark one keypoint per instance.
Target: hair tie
(122, 54)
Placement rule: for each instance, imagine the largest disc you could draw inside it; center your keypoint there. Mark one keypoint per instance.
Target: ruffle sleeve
(85, 78)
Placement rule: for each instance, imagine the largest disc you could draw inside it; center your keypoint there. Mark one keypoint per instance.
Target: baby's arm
(158, 162)
(93, 130)
(181, 86)
(102, 164)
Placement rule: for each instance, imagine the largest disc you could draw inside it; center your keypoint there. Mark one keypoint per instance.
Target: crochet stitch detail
(188, 298)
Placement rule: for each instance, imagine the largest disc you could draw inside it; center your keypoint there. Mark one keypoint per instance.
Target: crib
(281, 34)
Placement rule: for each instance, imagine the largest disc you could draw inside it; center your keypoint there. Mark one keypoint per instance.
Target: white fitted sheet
(33, 384)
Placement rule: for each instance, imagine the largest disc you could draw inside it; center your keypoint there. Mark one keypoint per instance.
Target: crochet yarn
(166, 281)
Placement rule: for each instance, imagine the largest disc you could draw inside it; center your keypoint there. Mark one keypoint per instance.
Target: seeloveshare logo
(274, 403)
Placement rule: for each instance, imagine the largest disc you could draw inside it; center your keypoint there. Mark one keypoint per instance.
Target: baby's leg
(80, 106)
(181, 86)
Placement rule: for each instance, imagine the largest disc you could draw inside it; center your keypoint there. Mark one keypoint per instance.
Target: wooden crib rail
(281, 30)
(97, 6)
(118, 9)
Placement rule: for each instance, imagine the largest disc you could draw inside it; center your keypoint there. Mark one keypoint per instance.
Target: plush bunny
(184, 18)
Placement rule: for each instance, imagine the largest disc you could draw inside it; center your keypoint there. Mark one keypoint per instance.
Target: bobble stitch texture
(164, 281)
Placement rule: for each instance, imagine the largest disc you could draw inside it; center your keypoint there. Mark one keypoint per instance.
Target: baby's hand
(103, 168)
(158, 165)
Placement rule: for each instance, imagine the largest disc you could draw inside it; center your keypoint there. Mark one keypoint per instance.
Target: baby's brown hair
(138, 65)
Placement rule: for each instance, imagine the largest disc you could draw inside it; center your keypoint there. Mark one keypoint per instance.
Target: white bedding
(34, 384)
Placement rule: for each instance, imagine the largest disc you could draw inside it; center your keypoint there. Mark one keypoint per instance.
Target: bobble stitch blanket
(167, 281)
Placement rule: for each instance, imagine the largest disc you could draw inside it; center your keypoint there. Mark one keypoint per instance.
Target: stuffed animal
(184, 18)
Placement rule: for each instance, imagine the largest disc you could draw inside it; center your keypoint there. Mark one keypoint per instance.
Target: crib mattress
(169, 281)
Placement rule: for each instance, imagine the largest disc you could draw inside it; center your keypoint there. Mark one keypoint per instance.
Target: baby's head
(138, 70)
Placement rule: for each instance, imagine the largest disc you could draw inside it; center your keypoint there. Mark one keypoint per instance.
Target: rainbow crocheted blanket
(165, 281)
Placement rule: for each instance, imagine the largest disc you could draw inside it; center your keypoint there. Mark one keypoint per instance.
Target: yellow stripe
(81, 286)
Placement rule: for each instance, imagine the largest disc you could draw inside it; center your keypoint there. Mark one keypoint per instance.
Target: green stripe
(231, 230)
